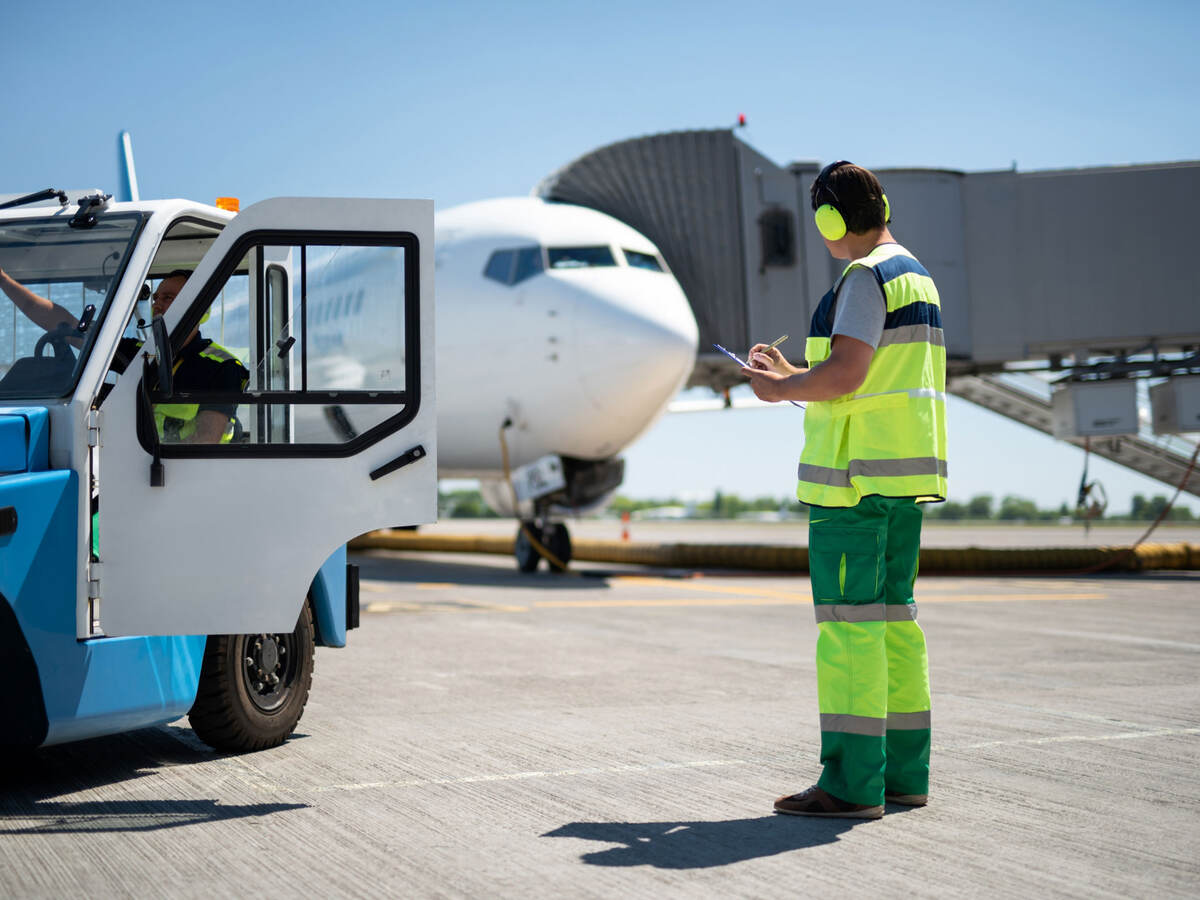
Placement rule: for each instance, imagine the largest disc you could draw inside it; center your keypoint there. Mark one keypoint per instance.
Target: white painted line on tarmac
(525, 776)
(1068, 738)
(1119, 638)
(714, 763)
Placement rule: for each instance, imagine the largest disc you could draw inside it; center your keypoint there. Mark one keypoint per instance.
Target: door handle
(404, 459)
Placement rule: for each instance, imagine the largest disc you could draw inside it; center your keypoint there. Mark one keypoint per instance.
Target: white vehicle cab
(145, 576)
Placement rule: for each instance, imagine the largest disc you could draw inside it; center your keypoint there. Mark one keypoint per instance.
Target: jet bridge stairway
(1026, 399)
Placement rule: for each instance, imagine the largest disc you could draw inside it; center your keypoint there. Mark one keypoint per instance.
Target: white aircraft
(565, 325)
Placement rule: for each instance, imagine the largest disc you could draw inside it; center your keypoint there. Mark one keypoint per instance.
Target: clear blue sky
(462, 101)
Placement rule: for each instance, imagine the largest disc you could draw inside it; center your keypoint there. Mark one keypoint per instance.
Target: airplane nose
(636, 346)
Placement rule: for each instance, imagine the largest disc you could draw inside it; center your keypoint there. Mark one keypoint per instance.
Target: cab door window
(324, 336)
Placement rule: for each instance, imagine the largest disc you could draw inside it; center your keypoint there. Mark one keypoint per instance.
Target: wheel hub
(269, 669)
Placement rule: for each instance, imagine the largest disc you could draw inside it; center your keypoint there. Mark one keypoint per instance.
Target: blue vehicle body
(56, 687)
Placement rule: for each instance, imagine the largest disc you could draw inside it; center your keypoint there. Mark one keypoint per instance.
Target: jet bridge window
(514, 266)
(580, 257)
(323, 337)
(777, 233)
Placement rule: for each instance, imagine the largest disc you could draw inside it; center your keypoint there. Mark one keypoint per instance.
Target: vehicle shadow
(400, 567)
(701, 845)
(32, 780)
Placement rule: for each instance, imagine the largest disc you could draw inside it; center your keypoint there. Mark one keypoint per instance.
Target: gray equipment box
(1094, 408)
(1175, 405)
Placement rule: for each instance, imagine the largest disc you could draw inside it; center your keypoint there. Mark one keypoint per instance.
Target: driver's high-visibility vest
(889, 436)
(176, 422)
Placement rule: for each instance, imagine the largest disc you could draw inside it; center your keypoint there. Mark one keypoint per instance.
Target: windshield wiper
(34, 198)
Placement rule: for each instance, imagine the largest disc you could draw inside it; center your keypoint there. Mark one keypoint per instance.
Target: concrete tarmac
(623, 734)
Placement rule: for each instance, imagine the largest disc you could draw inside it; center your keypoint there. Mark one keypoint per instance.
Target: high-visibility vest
(176, 422)
(889, 436)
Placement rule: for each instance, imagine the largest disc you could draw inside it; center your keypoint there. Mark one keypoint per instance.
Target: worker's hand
(767, 384)
(762, 356)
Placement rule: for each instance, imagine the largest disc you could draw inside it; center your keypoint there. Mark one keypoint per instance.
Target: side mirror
(162, 350)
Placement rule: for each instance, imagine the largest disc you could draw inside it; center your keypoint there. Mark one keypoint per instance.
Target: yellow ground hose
(787, 558)
(537, 545)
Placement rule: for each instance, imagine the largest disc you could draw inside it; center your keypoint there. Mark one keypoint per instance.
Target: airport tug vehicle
(145, 575)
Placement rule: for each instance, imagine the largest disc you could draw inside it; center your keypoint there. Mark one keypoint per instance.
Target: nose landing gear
(553, 537)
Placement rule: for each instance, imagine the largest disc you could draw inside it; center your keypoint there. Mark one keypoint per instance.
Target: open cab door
(306, 335)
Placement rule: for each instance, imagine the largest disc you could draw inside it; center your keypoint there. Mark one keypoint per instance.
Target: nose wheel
(553, 536)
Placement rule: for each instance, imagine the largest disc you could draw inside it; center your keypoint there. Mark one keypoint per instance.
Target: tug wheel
(253, 687)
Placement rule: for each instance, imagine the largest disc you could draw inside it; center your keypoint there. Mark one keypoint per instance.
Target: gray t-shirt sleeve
(860, 309)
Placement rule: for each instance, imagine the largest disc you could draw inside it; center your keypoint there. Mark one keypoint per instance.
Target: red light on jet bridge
(741, 120)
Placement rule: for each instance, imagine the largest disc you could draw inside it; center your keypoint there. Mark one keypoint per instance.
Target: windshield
(55, 284)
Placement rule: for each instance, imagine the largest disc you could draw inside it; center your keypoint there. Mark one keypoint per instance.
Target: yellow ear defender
(827, 216)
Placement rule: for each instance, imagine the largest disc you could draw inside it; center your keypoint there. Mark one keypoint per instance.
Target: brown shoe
(907, 799)
(816, 802)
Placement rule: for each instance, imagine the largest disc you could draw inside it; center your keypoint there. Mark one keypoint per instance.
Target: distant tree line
(468, 504)
(1013, 508)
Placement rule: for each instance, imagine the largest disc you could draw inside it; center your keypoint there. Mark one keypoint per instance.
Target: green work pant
(872, 671)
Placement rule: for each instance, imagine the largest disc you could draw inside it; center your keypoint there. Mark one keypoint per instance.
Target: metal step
(1026, 399)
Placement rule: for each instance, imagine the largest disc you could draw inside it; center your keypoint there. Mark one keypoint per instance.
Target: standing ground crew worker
(874, 447)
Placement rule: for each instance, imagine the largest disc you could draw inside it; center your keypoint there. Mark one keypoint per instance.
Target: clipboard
(746, 365)
(740, 362)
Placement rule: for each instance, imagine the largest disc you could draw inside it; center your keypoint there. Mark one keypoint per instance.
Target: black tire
(557, 539)
(527, 557)
(237, 709)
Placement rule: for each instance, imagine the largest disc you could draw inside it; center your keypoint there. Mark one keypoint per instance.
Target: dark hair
(855, 192)
(185, 274)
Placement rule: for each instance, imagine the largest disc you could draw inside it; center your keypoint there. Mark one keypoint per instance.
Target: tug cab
(143, 577)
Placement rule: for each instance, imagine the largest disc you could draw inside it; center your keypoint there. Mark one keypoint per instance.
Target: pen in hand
(775, 343)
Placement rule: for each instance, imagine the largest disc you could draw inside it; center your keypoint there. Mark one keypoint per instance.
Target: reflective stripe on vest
(889, 437)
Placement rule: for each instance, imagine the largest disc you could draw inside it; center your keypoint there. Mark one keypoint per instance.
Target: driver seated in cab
(200, 364)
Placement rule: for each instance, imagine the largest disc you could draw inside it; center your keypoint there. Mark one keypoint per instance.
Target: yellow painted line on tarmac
(760, 596)
(709, 587)
(757, 600)
(922, 599)
(391, 606)
(702, 593)
(670, 601)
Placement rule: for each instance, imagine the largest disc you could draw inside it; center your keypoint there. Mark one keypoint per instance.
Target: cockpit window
(580, 257)
(529, 263)
(514, 266)
(642, 260)
(499, 266)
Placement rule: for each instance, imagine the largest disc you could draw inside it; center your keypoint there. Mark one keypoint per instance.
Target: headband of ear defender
(826, 214)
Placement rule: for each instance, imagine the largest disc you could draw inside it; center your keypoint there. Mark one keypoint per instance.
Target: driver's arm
(42, 312)
(210, 427)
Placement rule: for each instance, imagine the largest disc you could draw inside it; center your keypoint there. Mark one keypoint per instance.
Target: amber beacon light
(229, 204)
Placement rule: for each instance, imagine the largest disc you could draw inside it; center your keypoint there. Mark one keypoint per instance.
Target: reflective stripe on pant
(872, 672)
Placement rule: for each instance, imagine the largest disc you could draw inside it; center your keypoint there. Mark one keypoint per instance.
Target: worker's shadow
(32, 781)
(700, 845)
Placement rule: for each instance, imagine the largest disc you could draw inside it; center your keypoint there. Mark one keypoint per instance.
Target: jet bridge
(1083, 272)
